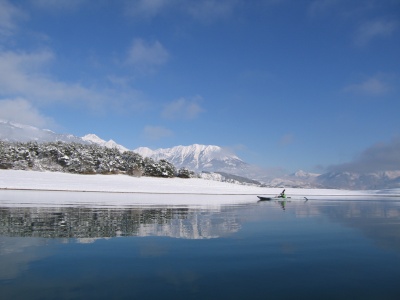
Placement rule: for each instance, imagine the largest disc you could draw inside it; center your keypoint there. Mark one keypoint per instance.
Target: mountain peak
(92, 138)
(196, 157)
(144, 151)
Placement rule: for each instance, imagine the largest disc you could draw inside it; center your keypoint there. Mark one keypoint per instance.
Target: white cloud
(377, 158)
(57, 4)
(19, 254)
(9, 15)
(21, 111)
(318, 6)
(22, 75)
(145, 56)
(357, 15)
(156, 132)
(148, 8)
(369, 31)
(374, 86)
(200, 10)
(210, 10)
(183, 109)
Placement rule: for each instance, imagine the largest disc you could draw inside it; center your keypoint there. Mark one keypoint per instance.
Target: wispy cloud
(183, 109)
(205, 11)
(21, 111)
(378, 157)
(22, 75)
(9, 17)
(145, 56)
(156, 132)
(369, 31)
(320, 7)
(374, 86)
(364, 20)
(211, 10)
(148, 8)
(57, 5)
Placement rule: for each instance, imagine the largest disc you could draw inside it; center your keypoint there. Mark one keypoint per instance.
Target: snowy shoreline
(63, 182)
(32, 188)
(68, 182)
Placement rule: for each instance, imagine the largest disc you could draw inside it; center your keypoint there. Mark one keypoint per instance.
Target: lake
(261, 250)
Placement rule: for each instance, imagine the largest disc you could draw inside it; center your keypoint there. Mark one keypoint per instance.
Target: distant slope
(360, 181)
(300, 179)
(14, 132)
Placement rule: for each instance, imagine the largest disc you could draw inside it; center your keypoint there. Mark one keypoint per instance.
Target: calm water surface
(265, 250)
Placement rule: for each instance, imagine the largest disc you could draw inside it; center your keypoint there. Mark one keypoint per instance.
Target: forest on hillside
(82, 159)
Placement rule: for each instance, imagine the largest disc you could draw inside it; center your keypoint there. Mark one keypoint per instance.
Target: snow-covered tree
(184, 173)
(133, 163)
(162, 168)
(79, 158)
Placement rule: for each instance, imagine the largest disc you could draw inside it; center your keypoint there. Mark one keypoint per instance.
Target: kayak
(262, 198)
(265, 198)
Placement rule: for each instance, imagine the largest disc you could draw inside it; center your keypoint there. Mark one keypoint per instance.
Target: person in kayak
(282, 195)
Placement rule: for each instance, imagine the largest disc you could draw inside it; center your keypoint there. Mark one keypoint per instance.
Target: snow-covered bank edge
(58, 181)
(128, 192)
(30, 188)
(13, 198)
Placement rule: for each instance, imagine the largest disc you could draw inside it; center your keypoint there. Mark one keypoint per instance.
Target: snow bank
(55, 181)
(49, 188)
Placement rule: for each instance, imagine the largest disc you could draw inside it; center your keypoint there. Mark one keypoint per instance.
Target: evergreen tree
(81, 159)
(184, 173)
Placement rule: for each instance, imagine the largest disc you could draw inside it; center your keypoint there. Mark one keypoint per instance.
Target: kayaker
(282, 195)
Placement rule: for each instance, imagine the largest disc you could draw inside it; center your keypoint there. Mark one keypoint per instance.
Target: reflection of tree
(78, 222)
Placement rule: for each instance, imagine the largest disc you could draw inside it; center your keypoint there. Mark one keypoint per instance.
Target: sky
(285, 85)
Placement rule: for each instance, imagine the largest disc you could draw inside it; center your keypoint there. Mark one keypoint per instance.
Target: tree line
(83, 159)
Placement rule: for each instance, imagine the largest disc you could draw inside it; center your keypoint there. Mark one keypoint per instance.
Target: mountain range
(197, 158)
(211, 158)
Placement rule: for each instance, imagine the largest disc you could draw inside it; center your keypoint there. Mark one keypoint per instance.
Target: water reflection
(309, 244)
(87, 224)
(377, 220)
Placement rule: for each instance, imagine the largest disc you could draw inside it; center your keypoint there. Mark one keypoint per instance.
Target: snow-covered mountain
(14, 132)
(339, 180)
(199, 158)
(92, 138)
(360, 181)
(211, 158)
(299, 179)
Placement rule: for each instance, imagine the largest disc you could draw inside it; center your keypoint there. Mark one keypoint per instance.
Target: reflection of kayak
(262, 198)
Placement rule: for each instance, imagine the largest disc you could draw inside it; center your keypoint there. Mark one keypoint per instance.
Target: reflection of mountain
(90, 223)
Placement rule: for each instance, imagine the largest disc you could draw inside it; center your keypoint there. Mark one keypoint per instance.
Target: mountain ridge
(212, 158)
(195, 157)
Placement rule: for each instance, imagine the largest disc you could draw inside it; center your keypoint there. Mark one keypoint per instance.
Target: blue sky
(284, 84)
